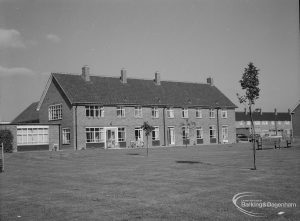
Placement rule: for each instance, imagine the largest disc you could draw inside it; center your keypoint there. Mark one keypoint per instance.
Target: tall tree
(249, 83)
(147, 128)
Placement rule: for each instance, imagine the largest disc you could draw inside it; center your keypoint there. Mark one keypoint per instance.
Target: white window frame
(170, 112)
(287, 122)
(138, 112)
(155, 133)
(97, 134)
(94, 111)
(66, 135)
(121, 130)
(212, 113)
(224, 114)
(257, 123)
(155, 112)
(212, 131)
(279, 122)
(248, 122)
(199, 133)
(32, 135)
(120, 111)
(264, 122)
(185, 133)
(241, 123)
(55, 112)
(198, 113)
(140, 132)
(184, 112)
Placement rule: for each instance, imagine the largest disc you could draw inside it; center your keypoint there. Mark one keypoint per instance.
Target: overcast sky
(185, 40)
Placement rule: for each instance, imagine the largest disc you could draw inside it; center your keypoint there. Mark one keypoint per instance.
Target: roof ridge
(109, 76)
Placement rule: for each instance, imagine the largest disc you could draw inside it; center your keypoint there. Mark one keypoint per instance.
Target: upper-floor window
(66, 135)
(55, 112)
(155, 113)
(170, 113)
(155, 133)
(120, 111)
(287, 122)
(94, 111)
(248, 122)
(241, 123)
(256, 122)
(198, 113)
(264, 122)
(224, 113)
(212, 113)
(138, 112)
(273, 122)
(279, 122)
(185, 112)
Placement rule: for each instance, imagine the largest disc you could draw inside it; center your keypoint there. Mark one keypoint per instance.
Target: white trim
(32, 126)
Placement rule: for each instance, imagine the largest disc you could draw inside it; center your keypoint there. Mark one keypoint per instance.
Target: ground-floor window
(32, 135)
(155, 133)
(121, 134)
(199, 132)
(66, 134)
(94, 134)
(212, 131)
(138, 133)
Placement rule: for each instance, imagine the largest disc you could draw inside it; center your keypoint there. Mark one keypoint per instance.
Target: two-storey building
(107, 112)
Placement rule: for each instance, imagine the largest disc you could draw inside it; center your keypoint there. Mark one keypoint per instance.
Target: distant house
(107, 112)
(296, 120)
(265, 123)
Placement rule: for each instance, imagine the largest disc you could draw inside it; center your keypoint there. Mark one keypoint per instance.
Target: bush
(6, 138)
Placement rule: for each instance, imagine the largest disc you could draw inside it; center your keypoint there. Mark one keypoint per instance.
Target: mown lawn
(196, 183)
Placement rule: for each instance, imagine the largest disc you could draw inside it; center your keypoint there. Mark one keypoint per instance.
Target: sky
(185, 40)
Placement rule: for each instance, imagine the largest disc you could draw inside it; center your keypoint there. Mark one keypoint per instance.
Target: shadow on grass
(133, 154)
(187, 161)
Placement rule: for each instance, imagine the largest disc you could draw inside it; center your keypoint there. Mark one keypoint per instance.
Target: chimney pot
(123, 76)
(210, 81)
(85, 73)
(157, 78)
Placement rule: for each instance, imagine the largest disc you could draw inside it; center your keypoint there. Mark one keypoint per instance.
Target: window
(272, 122)
(264, 123)
(212, 131)
(121, 134)
(248, 122)
(224, 113)
(287, 122)
(199, 132)
(185, 112)
(32, 135)
(256, 122)
(155, 113)
(138, 112)
(241, 123)
(120, 111)
(155, 133)
(66, 134)
(185, 133)
(198, 113)
(138, 133)
(55, 112)
(94, 111)
(94, 134)
(170, 113)
(212, 113)
(279, 122)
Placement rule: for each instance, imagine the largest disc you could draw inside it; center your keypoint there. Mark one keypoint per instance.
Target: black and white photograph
(149, 110)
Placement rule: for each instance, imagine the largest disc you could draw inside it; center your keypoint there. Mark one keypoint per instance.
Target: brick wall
(130, 122)
(55, 96)
(296, 122)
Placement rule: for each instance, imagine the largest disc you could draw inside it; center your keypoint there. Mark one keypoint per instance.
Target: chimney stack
(85, 73)
(275, 111)
(260, 111)
(123, 77)
(157, 78)
(210, 81)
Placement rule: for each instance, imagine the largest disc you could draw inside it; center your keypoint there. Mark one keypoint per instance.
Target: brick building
(265, 123)
(107, 112)
(296, 120)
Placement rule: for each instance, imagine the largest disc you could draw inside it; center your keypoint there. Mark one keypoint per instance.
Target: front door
(171, 136)
(225, 134)
(110, 138)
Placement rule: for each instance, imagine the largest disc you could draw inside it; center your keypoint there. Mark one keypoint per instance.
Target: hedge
(6, 138)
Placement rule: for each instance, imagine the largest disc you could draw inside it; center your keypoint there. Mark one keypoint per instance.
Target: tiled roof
(110, 91)
(264, 116)
(29, 115)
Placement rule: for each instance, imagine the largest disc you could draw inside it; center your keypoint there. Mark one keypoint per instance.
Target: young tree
(191, 126)
(249, 83)
(147, 128)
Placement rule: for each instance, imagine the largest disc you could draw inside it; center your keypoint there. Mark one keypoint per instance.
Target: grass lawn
(197, 183)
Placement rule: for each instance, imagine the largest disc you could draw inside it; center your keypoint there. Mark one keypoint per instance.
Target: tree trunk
(253, 137)
(147, 146)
